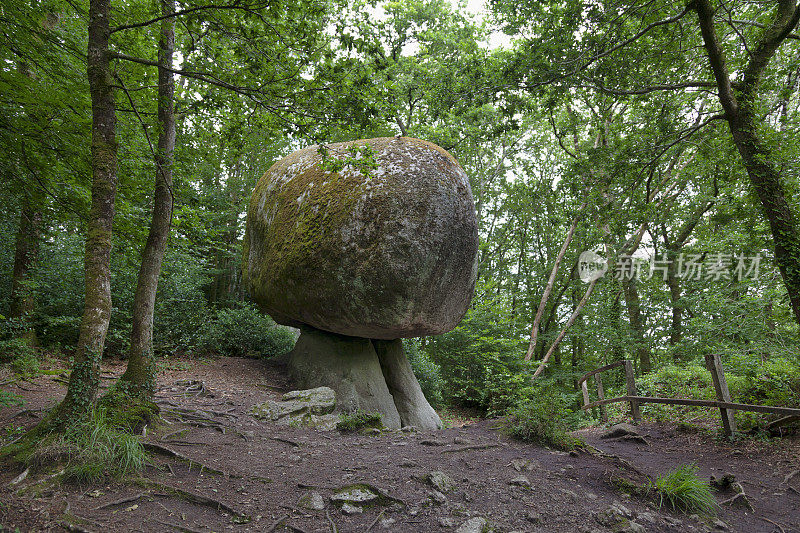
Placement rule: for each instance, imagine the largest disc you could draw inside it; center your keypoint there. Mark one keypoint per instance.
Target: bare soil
(232, 472)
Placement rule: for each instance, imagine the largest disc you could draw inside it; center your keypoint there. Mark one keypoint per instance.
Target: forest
(634, 170)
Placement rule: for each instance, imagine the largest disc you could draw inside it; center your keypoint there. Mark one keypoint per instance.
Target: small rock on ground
(473, 525)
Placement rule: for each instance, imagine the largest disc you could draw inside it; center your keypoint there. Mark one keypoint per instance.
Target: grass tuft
(92, 450)
(683, 490)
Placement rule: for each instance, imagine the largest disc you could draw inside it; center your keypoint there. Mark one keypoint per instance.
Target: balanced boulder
(383, 248)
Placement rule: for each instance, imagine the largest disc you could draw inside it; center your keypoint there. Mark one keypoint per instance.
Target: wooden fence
(723, 402)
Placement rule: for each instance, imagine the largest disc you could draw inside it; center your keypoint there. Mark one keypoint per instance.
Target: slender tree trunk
(636, 320)
(84, 379)
(139, 377)
(25, 256)
(674, 284)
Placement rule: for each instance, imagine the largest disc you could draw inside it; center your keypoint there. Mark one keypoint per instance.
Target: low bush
(19, 356)
(540, 419)
(244, 332)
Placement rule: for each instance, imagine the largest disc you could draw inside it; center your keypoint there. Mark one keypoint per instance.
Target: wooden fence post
(630, 383)
(714, 365)
(601, 395)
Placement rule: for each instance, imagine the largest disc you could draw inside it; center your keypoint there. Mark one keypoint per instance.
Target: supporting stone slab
(348, 365)
(411, 404)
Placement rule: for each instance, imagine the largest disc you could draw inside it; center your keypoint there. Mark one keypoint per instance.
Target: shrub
(428, 373)
(358, 420)
(683, 490)
(540, 419)
(19, 356)
(244, 332)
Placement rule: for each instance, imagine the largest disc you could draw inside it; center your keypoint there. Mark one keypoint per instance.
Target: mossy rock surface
(383, 253)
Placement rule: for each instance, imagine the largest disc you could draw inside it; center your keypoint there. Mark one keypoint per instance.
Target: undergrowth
(683, 490)
(358, 420)
(90, 450)
(539, 419)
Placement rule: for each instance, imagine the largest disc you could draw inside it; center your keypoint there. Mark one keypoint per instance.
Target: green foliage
(244, 332)
(19, 356)
(540, 419)
(91, 450)
(9, 399)
(428, 373)
(683, 490)
(481, 367)
(358, 420)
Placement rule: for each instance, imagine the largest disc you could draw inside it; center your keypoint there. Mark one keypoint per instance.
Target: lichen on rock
(383, 254)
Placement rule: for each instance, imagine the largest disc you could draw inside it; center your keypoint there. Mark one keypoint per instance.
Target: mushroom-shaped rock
(382, 253)
(360, 244)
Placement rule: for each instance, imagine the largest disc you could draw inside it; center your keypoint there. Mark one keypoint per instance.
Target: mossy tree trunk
(740, 105)
(84, 379)
(139, 377)
(26, 253)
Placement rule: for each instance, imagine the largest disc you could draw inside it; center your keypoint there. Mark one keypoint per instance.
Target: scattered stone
(387, 522)
(570, 494)
(618, 518)
(590, 495)
(473, 525)
(355, 494)
(520, 481)
(311, 407)
(348, 508)
(438, 497)
(408, 463)
(441, 481)
(648, 517)
(720, 525)
(461, 440)
(371, 432)
(723, 483)
(408, 429)
(620, 430)
(433, 442)
(446, 522)
(524, 465)
(312, 501)
(533, 517)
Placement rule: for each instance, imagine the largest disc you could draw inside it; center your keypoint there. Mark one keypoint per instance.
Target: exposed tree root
(473, 447)
(163, 450)
(199, 499)
(121, 501)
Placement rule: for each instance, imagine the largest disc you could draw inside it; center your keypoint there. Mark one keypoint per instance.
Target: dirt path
(247, 475)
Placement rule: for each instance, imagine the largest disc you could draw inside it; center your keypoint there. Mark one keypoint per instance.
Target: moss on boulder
(382, 253)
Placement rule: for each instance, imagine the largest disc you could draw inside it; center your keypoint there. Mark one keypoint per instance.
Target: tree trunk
(84, 379)
(759, 161)
(25, 256)
(139, 377)
(632, 303)
(674, 284)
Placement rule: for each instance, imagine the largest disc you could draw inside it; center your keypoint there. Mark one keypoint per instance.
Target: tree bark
(758, 159)
(139, 377)
(637, 324)
(84, 379)
(25, 255)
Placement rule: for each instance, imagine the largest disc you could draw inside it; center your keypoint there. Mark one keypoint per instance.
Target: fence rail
(723, 402)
